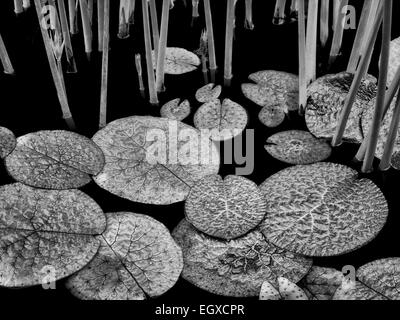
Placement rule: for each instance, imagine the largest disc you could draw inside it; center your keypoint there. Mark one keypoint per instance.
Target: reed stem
(311, 41)
(149, 59)
(210, 39)
(337, 34)
(154, 26)
(336, 13)
(294, 10)
(87, 28)
(302, 57)
(230, 24)
(90, 11)
(71, 68)
(104, 67)
(361, 71)
(162, 47)
(139, 70)
(195, 8)
(5, 59)
(56, 73)
(73, 21)
(100, 24)
(249, 15)
(131, 15)
(26, 4)
(123, 30)
(380, 100)
(324, 22)
(18, 6)
(279, 13)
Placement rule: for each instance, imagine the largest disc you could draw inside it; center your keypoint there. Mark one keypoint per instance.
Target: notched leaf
(137, 259)
(54, 160)
(45, 230)
(176, 110)
(208, 93)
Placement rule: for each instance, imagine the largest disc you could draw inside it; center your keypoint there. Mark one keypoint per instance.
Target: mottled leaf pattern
(290, 291)
(7, 142)
(356, 291)
(45, 229)
(271, 116)
(269, 292)
(176, 110)
(236, 268)
(208, 93)
(225, 208)
(137, 259)
(322, 209)
(179, 61)
(54, 160)
(394, 60)
(297, 147)
(224, 121)
(149, 160)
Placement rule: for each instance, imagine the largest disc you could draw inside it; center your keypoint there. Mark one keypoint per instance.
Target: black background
(28, 102)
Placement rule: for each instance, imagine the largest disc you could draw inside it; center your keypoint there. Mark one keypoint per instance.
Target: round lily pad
(154, 160)
(297, 147)
(179, 61)
(176, 110)
(54, 160)
(273, 88)
(382, 276)
(322, 209)
(137, 259)
(224, 121)
(235, 268)
(45, 233)
(7, 142)
(326, 99)
(208, 93)
(271, 116)
(225, 208)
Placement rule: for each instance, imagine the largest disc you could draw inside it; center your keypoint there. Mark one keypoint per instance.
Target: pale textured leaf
(208, 93)
(176, 110)
(268, 292)
(394, 60)
(271, 116)
(54, 160)
(179, 61)
(7, 142)
(45, 229)
(322, 283)
(290, 291)
(356, 291)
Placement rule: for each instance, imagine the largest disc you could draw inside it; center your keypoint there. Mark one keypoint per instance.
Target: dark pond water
(28, 103)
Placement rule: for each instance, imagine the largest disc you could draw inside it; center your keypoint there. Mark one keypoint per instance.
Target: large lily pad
(382, 276)
(7, 142)
(137, 259)
(237, 267)
(297, 147)
(54, 160)
(179, 61)
(176, 110)
(45, 230)
(224, 121)
(326, 99)
(225, 208)
(154, 160)
(273, 88)
(322, 209)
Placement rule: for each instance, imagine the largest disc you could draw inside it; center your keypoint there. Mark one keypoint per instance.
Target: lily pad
(179, 61)
(382, 276)
(176, 110)
(322, 283)
(54, 160)
(224, 121)
(7, 142)
(297, 147)
(322, 209)
(287, 290)
(45, 230)
(269, 292)
(137, 259)
(326, 99)
(208, 93)
(237, 267)
(271, 116)
(225, 208)
(394, 61)
(356, 291)
(154, 160)
(273, 88)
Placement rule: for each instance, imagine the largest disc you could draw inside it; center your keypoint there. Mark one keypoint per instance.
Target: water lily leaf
(297, 147)
(154, 160)
(382, 276)
(273, 88)
(225, 208)
(271, 116)
(208, 93)
(394, 61)
(176, 110)
(322, 209)
(225, 121)
(179, 61)
(268, 292)
(322, 283)
(236, 268)
(350, 290)
(326, 99)
(7, 142)
(54, 160)
(137, 259)
(290, 291)
(45, 230)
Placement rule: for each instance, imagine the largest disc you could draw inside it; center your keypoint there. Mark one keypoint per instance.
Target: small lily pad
(7, 142)
(208, 93)
(176, 110)
(179, 61)
(271, 116)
